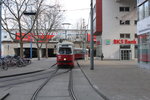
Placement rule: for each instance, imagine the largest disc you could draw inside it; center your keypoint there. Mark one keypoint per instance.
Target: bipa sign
(124, 41)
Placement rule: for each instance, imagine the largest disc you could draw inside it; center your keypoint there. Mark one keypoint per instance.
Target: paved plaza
(117, 80)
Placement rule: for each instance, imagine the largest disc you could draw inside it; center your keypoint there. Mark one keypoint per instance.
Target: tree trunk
(21, 49)
(46, 50)
(38, 53)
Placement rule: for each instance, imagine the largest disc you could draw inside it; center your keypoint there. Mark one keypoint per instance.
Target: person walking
(102, 56)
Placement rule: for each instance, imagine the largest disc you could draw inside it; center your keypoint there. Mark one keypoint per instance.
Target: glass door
(125, 54)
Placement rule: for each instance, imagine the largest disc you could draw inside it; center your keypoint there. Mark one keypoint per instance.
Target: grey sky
(75, 11)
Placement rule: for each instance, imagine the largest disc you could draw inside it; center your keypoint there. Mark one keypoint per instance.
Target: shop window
(144, 48)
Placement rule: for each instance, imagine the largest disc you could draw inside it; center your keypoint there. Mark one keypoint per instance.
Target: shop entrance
(125, 54)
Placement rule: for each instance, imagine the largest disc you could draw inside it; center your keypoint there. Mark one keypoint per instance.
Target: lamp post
(91, 42)
(0, 29)
(30, 13)
(66, 24)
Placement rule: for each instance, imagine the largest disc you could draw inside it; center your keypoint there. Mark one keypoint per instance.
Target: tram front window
(65, 51)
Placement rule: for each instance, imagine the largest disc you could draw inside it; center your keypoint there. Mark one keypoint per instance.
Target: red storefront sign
(124, 41)
(29, 37)
(89, 38)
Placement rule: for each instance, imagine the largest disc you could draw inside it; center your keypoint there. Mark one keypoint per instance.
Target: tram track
(91, 84)
(74, 94)
(52, 75)
(21, 79)
(34, 96)
(70, 86)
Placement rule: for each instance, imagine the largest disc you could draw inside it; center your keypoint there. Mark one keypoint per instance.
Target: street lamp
(29, 14)
(91, 42)
(67, 25)
(0, 29)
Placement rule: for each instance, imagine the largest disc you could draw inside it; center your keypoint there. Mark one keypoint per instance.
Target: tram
(78, 53)
(81, 53)
(65, 54)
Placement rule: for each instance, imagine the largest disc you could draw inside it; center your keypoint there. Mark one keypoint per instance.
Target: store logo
(124, 41)
(107, 42)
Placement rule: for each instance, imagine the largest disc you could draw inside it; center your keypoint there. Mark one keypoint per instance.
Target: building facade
(143, 31)
(118, 39)
(10, 47)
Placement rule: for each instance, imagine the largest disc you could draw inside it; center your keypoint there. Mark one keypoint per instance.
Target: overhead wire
(76, 9)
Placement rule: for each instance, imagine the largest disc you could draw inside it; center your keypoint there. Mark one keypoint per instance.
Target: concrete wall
(112, 27)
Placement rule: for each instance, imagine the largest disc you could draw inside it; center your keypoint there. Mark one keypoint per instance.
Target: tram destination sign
(124, 41)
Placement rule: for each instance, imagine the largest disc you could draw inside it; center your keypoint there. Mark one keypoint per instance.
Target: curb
(24, 73)
(4, 95)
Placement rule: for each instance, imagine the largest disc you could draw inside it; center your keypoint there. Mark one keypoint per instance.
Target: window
(65, 51)
(135, 22)
(124, 35)
(141, 12)
(5, 36)
(146, 9)
(144, 48)
(124, 9)
(127, 9)
(121, 9)
(121, 35)
(136, 36)
(127, 22)
(127, 35)
(125, 46)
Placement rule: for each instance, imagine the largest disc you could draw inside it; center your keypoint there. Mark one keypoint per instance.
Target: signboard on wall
(124, 41)
(89, 38)
(107, 42)
(41, 37)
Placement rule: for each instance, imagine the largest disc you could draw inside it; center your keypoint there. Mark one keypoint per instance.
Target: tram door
(125, 54)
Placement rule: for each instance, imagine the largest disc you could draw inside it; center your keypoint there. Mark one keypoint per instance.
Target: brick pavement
(119, 80)
(36, 65)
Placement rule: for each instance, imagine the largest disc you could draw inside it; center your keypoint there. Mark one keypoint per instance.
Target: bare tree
(48, 21)
(14, 18)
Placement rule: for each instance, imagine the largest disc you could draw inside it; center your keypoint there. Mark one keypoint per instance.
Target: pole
(91, 42)
(30, 47)
(0, 29)
(65, 34)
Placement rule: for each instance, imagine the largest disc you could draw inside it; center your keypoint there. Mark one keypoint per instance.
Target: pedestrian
(102, 56)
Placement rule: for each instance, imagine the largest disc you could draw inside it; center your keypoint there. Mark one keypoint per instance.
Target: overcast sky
(75, 11)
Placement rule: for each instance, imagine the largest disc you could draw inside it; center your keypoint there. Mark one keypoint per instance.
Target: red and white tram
(78, 53)
(65, 54)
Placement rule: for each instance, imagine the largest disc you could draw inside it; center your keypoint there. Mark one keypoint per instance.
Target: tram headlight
(65, 59)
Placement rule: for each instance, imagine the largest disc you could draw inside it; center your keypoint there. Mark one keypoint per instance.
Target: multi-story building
(143, 31)
(116, 29)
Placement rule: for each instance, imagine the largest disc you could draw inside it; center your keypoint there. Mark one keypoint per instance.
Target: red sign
(29, 37)
(124, 41)
(98, 42)
(89, 38)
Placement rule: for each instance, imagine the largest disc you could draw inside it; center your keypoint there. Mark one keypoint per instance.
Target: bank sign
(124, 41)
